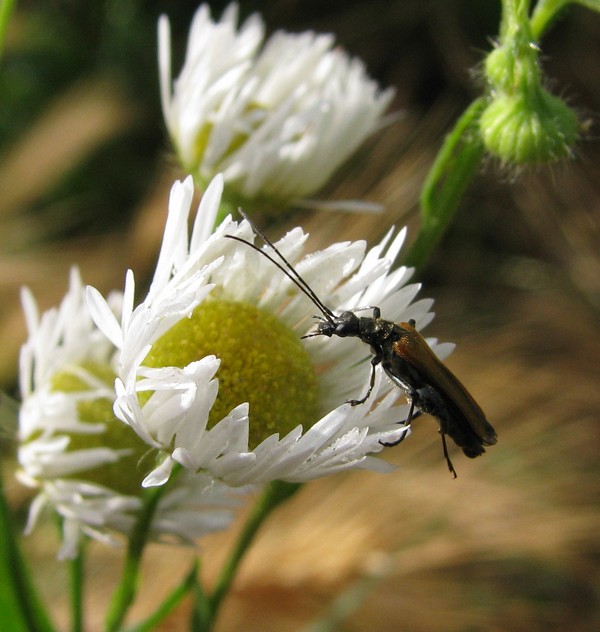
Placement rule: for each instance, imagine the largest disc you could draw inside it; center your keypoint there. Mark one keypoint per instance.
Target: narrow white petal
(159, 475)
(103, 316)
(207, 213)
(164, 65)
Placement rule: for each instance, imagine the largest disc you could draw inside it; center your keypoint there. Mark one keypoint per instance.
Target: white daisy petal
(104, 317)
(207, 212)
(159, 475)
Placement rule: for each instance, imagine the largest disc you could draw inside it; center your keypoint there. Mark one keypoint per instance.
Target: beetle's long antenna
(287, 268)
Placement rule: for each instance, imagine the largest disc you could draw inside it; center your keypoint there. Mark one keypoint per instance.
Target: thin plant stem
(127, 589)
(6, 9)
(169, 604)
(514, 13)
(515, 18)
(344, 605)
(274, 495)
(202, 615)
(544, 14)
(77, 582)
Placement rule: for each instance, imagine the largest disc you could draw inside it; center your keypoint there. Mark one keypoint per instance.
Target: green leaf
(455, 166)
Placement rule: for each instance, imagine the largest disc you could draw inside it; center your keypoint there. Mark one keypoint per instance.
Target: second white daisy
(83, 462)
(277, 118)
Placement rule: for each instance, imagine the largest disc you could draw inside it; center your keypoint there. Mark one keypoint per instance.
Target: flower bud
(520, 130)
(523, 124)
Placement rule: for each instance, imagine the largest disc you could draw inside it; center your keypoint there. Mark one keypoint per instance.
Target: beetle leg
(411, 411)
(374, 362)
(406, 422)
(447, 456)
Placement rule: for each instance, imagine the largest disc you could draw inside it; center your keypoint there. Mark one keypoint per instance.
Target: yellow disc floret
(124, 475)
(262, 362)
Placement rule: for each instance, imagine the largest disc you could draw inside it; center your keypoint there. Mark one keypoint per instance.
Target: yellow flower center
(124, 475)
(262, 362)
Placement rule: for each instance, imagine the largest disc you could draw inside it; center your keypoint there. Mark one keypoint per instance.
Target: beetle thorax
(375, 331)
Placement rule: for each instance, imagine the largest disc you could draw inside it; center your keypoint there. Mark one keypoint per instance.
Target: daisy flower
(212, 370)
(84, 462)
(276, 118)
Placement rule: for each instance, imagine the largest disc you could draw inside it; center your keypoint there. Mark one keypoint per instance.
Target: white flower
(207, 409)
(81, 459)
(63, 344)
(275, 119)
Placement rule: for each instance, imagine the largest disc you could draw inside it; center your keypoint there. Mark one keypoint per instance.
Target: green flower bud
(523, 124)
(527, 129)
(499, 69)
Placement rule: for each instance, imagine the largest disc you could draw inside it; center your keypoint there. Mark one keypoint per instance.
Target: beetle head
(346, 324)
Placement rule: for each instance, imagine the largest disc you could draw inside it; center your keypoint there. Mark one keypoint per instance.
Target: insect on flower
(408, 361)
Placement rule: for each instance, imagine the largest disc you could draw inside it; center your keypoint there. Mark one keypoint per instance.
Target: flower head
(276, 119)
(212, 370)
(82, 459)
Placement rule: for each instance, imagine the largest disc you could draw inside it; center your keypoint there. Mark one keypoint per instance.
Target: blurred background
(513, 543)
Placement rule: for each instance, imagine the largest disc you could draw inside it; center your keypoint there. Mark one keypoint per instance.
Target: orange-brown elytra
(408, 361)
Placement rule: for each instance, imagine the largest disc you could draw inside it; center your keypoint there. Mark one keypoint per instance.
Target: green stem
(544, 14)
(169, 604)
(514, 16)
(202, 615)
(20, 607)
(6, 9)
(274, 495)
(344, 605)
(453, 169)
(77, 578)
(127, 589)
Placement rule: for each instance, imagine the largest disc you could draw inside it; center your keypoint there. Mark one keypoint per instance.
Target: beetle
(407, 360)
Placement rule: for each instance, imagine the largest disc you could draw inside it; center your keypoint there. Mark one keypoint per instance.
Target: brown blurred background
(512, 544)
